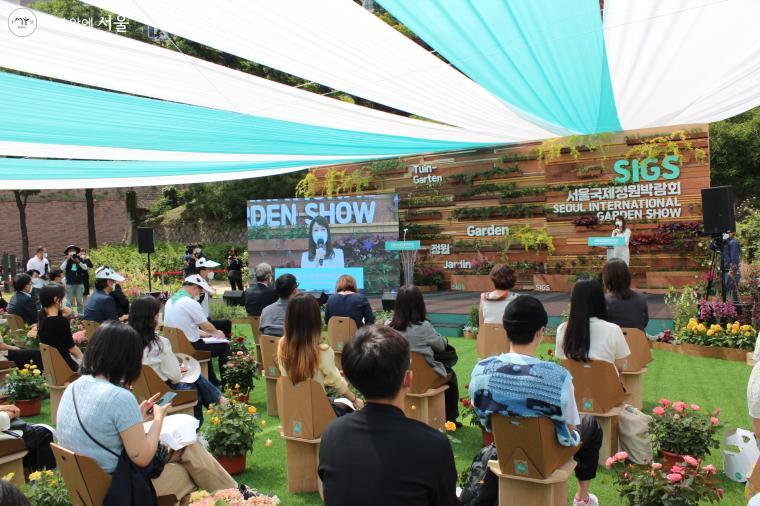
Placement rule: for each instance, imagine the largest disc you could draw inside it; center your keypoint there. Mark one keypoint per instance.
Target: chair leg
(519, 493)
(303, 459)
(16, 467)
(609, 447)
(272, 397)
(634, 385)
(55, 399)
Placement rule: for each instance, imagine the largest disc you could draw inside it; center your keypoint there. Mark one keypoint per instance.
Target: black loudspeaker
(320, 296)
(233, 297)
(389, 301)
(145, 240)
(718, 209)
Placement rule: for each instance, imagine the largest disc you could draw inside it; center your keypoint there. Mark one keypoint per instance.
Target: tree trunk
(90, 199)
(21, 204)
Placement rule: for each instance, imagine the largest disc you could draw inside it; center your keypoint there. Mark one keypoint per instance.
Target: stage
(448, 310)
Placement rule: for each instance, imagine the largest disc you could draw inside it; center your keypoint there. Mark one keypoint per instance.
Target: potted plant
(240, 371)
(230, 433)
(230, 497)
(473, 320)
(656, 484)
(25, 388)
(679, 430)
(47, 488)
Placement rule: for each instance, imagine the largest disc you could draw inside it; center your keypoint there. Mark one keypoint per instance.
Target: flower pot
(487, 437)
(29, 407)
(670, 459)
(234, 464)
(468, 334)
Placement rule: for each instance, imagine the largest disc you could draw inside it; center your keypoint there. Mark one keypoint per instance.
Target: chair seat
(301, 440)
(643, 370)
(12, 456)
(430, 392)
(609, 414)
(560, 475)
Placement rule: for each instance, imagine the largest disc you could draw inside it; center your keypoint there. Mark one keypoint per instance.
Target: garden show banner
(535, 205)
(320, 239)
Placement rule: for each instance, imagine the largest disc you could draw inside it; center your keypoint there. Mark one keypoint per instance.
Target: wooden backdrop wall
(433, 212)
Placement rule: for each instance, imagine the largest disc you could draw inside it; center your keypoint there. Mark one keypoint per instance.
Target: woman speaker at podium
(621, 252)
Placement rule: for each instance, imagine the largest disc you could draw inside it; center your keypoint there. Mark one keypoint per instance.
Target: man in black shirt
(261, 294)
(378, 456)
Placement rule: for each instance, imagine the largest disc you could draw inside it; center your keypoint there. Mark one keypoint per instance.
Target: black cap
(524, 315)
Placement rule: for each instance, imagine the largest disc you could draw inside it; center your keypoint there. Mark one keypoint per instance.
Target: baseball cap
(106, 272)
(196, 279)
(205, 263)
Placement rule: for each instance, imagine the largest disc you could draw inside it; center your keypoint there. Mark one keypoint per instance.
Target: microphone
(321, 245)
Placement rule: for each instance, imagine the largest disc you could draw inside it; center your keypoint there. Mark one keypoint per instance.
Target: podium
(408, 252)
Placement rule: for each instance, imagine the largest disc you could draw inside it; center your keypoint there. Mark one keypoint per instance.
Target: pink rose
(695, 407)
(710, 469)
(679, 405)
(609, 462)
(659, 410)
(719, 492)
(690, 460)
(678, 408)
(239, 353)
(674, 477)
(716, 412)
(656, 465)
(677, 469)
(621, 455)
(714, 420)
(665, 402)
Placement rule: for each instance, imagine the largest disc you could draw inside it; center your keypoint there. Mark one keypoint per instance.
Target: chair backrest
(492, 340)
(57, 371)
(178, 340)
(423, 376)
(640, 355)
(303, 408)
(339, 330)
(597, 385)
(528, 446)
(148, 384)
(255, 321)
(90, 327)
(15, 322)
(269, 356)
(89, 491)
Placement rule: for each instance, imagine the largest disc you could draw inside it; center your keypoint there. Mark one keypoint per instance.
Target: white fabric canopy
(339, 44)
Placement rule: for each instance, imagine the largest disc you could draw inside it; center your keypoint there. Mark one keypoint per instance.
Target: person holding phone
(321, 252)
(99, 417)
(621, 252)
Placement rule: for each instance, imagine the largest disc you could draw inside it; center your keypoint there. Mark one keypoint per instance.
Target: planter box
(670, 278)
(553, 282)
(695, 350)
(428, 288)
(527, 199)
(474, 249)
(471, 282)
(430, 215)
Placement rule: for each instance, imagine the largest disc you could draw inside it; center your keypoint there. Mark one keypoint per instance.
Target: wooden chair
(339, 330)
(5, 368)
(304, 414)
(15, 322)
(271, 370)
(491, 340)
(88, 483)
(634, 366)
(58, 375)
(180, 344)
(90, 327)
(425, 400)
(12, 452)
(533, 468)
(149, 384)
(599, 392)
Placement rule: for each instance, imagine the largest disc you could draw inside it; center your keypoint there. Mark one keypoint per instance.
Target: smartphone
(166, 398)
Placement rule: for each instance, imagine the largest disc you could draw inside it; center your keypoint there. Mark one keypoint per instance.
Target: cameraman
(192, 253)
(75, 271)
(730, 259)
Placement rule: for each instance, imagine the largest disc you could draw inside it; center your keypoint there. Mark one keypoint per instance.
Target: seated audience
(37, 438)
(301, 354)
(56, 276)
(183, 311)
(157, 353)
(258, 296)
(37, 284)
(625, 307)
(492, 304)
(21, 303)
(100, 305)
(54, 329)
(347, 302)
(273, 316)
(121, 300)
(586, 335)
(205, 269)
(410, 320)
(499, 384)
(99, 403)
(377, 456)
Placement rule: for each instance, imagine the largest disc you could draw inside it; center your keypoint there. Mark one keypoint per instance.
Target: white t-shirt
(621, 252)
(607, 341)
(493, 309)
(186, 314)
(41, 266)
(335, 261)
(160, 357)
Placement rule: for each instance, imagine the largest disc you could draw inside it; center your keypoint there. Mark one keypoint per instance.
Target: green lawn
(708, 382)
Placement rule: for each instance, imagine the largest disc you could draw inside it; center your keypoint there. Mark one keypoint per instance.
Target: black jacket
(257, 297)
(23, 305)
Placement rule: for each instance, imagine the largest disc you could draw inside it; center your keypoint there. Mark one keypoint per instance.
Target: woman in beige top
(302, 355)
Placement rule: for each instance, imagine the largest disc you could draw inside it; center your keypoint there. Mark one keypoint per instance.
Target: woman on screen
(321, 252)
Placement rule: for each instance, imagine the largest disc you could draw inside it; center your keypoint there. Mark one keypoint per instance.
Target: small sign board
(402, 245)
(607, 241)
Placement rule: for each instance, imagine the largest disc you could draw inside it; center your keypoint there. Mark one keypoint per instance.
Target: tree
(22, 196)
(90, 201)
(735, 153)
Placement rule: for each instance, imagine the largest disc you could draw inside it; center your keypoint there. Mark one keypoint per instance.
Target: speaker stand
(150, 275)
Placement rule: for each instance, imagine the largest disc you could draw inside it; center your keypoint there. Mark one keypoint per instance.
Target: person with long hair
(158, 354)
(54, 329)
(625, 307)
(321, 252)
(301, 354)
(492, 304)
(620, 230)
(346, 301)
(586, 335)
(100, 418)
(234, 270)
(410, 320)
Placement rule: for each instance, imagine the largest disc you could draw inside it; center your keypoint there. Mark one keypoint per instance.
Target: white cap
(106, 272)
(204, 263)
(196, 279)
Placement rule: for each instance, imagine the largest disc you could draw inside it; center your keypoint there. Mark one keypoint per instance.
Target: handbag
(447, 357)
(633, 434)
(130, 483)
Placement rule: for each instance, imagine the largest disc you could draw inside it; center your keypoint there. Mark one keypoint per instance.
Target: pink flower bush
(679, 406)
(656, 465)
(659, 410)
(714, 420)
(619, 456)
(674, 477)
(710, 469)
(79, 337)
(690, 460)
(677, 469)
(665, 402)
(695, 407)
